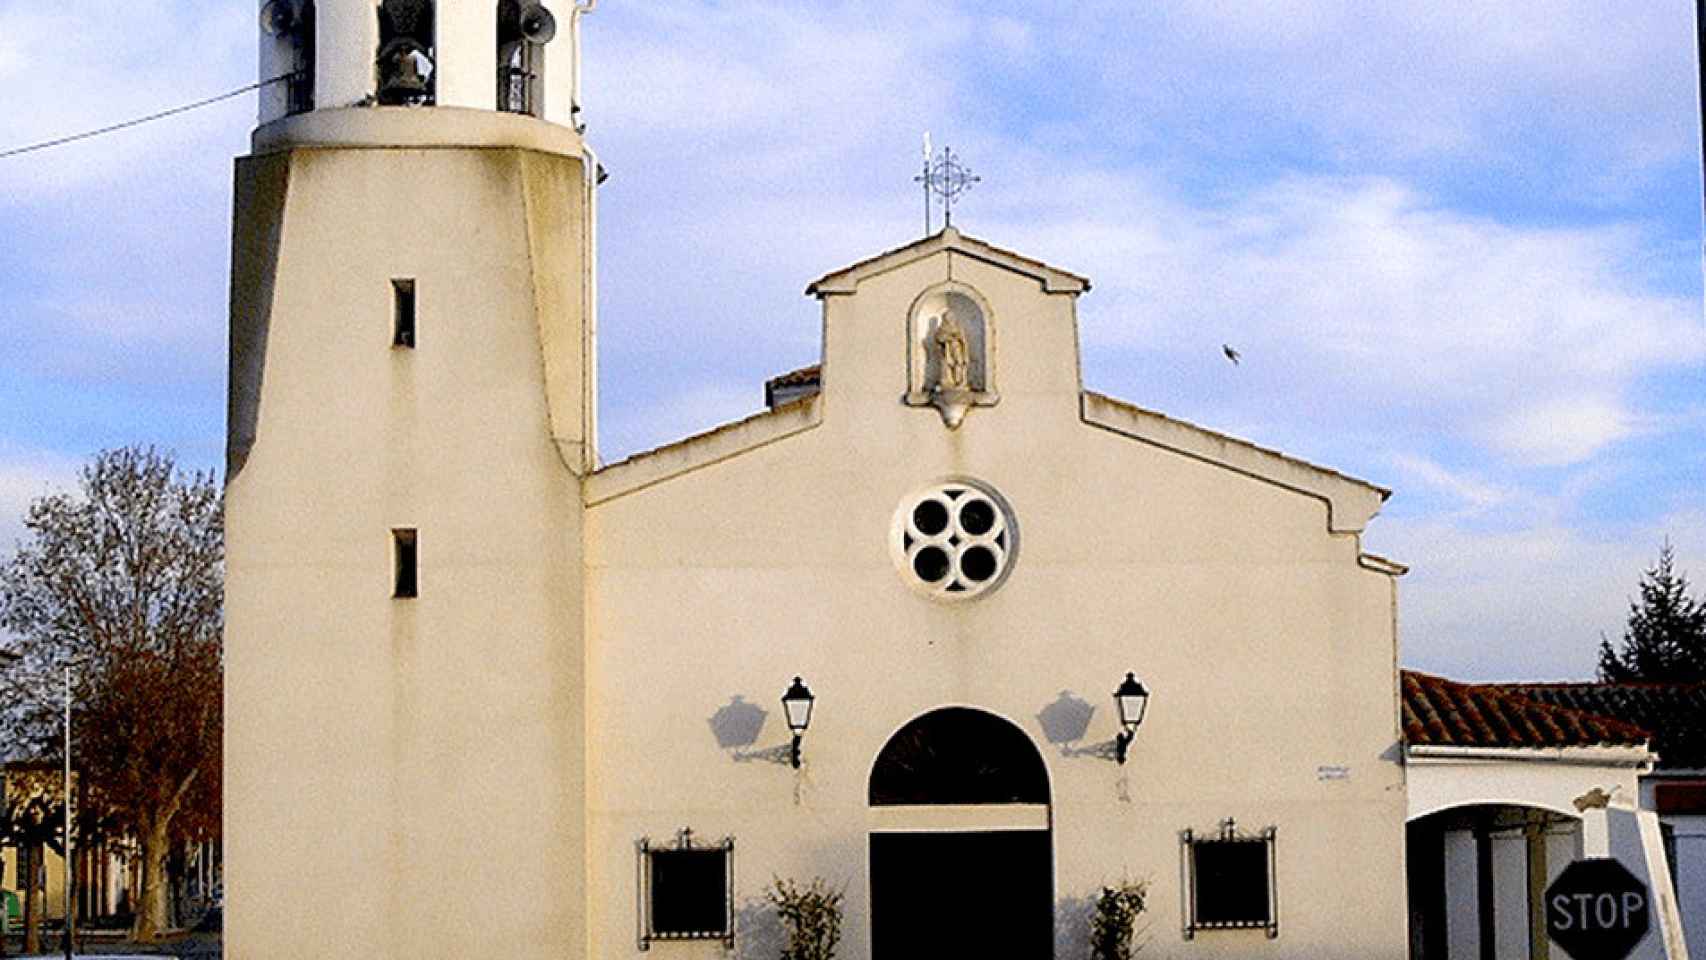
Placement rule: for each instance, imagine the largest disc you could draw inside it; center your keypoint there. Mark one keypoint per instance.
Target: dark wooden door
(952, 895)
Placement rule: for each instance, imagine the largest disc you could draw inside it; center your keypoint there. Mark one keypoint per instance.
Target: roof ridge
(1441, 711)
(1385, 493)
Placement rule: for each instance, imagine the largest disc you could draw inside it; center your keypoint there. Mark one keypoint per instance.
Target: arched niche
(951, 351)
(958, 755)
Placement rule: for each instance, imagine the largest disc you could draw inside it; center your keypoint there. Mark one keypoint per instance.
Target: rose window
(954, 540)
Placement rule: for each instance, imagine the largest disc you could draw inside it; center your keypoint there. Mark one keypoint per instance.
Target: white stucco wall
(1444, 779)
(1270, 651)
(406, 772)
(1690, 833)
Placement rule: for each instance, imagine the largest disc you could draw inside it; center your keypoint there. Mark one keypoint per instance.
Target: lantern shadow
(738, 723)
(1066, 720)
(783, 755)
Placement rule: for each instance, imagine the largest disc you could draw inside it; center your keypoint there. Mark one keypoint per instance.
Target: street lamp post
(70, 911)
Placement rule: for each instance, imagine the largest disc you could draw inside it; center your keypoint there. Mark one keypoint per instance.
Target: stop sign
(1597, 910)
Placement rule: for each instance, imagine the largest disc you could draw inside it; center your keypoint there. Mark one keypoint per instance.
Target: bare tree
(123, 579)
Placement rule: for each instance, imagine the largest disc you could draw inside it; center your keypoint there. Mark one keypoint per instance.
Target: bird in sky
(1231, 354)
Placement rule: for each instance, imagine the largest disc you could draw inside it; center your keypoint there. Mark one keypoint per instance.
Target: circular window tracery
(954, 540)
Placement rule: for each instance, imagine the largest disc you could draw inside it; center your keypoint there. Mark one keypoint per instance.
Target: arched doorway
(1477, 874)
(961, 860)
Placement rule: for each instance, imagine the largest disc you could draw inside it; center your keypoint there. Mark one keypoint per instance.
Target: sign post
(1597, 910)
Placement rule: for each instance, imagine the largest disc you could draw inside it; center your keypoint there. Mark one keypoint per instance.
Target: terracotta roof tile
(793, 385)
(1674, 712)
(1444, 713)
(803, 377)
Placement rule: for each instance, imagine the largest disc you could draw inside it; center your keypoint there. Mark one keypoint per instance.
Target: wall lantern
(797, 703)
(1133, 698)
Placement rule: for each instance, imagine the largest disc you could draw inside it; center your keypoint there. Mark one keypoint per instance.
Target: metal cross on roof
(946, 178)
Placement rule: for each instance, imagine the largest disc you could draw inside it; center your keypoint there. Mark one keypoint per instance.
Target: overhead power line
(139, 121)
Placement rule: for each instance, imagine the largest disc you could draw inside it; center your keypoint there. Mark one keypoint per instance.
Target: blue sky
(1458, 244)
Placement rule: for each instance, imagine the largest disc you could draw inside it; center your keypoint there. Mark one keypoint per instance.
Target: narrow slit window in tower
(403, 313)
(407, 563)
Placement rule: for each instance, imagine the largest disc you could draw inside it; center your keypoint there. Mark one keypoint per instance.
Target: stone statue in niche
(953, 355)
(952, 391)
(950, 361)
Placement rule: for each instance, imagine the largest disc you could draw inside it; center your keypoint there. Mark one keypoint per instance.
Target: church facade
(487, 696)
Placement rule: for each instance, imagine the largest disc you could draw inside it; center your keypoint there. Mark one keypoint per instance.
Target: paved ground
(193, 946)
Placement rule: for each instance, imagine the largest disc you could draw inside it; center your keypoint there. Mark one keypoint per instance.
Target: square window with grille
(1229, 880)
(686, 891)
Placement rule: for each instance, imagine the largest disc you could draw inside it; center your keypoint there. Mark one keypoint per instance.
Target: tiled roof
(1443, 713)
(1230, 440)
(1674, 712)
(803, 377)
(793, 385)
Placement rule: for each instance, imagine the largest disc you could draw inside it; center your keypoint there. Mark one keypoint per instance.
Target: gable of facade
(1228, 577)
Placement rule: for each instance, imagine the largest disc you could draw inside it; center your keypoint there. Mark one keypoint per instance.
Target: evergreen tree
(1665, 639)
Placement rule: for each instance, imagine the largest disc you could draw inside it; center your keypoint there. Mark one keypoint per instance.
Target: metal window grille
(686, 891)
(1229, 879)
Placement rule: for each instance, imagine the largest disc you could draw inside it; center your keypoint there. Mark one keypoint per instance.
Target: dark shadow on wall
(737, 723)
(1072, 916)
(758, 931)
(1065, 722)
(1072, 926)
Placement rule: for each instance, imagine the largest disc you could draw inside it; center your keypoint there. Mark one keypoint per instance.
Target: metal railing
(516, 90)
(299, 91)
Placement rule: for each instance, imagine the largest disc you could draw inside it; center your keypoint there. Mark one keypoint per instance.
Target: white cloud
(1591, 85)
(72, 67)
(1560, 430)
(25, 476)
(1473, 492)
(1354, 295)
(1528, 603)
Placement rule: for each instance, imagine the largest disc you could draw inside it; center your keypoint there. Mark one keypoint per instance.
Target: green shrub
(812, 917)
(1115, 920)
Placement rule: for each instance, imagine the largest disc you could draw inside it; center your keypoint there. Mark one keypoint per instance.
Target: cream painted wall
(1270, 651)
(1544, 780)
(404, 776)
(467, 53)
(346, 45)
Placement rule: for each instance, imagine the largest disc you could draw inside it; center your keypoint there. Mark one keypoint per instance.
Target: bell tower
(411, 409)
